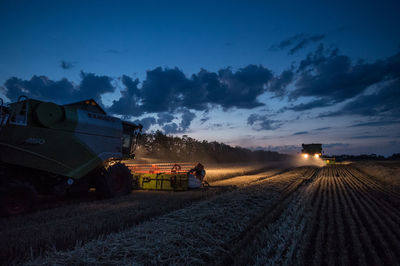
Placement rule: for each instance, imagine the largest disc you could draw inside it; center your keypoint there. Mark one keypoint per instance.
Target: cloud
(309, 105)
(278, 84)
(166, 90)
(129, 102)
(331, 78)
(171, 128)
(376, 123)
(369, 136)
(66, 65)
(324, 78)
(335, 79)
(40, 87)
(186, 120)
(300, 133)
(93, 86)
(62, 91)
(204, 119)
(290, 41)
(305, 41)
(385, 103)
(336, 145)
(242, 87)
(164, 118)
(262, 122)
(298, 42)
(320, 55)
(146, 122)
(215, 126)
(163, 90)
(322, 128)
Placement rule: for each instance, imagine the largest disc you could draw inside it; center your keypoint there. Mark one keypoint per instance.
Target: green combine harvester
(47, 148)
(314, 151)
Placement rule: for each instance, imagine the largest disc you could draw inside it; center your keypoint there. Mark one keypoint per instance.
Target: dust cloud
(286, 161)
(299, 160)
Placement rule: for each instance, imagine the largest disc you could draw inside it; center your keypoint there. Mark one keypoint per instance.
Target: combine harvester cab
(314, 151)
(162, 176)
(51, 149)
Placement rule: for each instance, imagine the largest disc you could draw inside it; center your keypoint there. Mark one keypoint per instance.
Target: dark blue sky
(270, 74)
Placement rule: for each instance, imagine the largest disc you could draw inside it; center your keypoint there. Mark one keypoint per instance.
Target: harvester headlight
(316, 156)
(305, 156)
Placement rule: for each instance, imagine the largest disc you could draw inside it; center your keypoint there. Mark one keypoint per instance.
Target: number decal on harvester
(36, 141)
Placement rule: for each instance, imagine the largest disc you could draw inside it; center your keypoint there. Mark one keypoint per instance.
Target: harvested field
(388, 172)
(227, 171)
(60, 224)
(335, 215)
(62, 227)
(342, 217)
(193, 235)
(246, 179)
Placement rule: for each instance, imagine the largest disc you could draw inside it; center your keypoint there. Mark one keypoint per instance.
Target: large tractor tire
(17, 198)
(114, 181)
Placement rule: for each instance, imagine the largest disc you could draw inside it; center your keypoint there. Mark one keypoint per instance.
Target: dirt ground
(332, 215)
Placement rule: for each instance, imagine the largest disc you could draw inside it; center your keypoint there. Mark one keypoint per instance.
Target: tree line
(186, 149)
(361, 157)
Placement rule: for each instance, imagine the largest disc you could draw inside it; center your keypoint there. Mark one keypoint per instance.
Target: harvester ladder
(16, 118)
(3, 115)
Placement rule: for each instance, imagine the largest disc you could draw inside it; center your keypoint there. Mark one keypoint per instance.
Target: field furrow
(334, 215)
(343, 225)
(377, 221)
(359, 240)
(367, 233)
(342, 246)
(197, 234)
(377, 186)
(331, 230)
(374, 231)
(314, 206)
(316, 253)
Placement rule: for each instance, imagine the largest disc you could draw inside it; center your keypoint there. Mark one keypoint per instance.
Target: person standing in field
(196, 176)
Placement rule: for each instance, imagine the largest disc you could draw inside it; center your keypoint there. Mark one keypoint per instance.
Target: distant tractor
(54, 149)
(314, 150)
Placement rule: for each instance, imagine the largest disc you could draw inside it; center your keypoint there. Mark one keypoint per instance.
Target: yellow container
(163, 181)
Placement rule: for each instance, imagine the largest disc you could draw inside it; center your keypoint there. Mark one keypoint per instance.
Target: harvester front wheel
(114, 181)
(17, 198)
